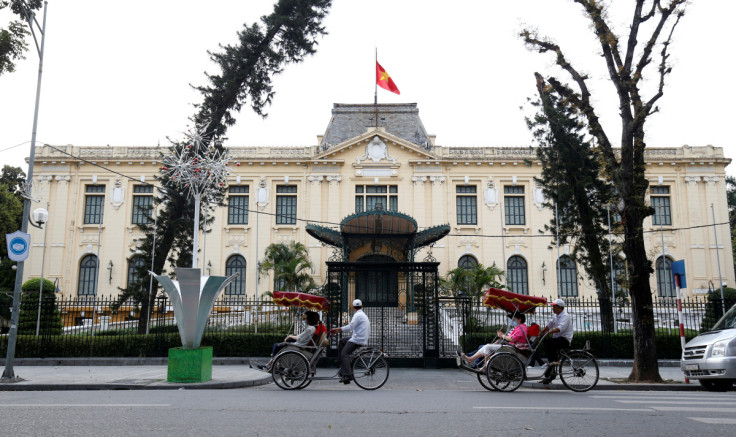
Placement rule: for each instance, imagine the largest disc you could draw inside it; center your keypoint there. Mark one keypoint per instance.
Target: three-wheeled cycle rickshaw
(505, 370)
(295, 367)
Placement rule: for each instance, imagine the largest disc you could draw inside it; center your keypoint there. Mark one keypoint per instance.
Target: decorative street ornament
(193, 297)
(200, 170)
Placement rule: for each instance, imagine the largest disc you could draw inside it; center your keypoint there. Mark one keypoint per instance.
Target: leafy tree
(626, 66)
(13, 179)
(290, 265)
(285, 36)
(13, 39)
(11, 211)
(571, 182)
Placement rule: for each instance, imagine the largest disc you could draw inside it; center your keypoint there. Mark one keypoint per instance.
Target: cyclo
(505, 370)
(295, 367)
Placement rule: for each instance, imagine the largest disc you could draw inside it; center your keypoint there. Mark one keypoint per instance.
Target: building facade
(370, 157)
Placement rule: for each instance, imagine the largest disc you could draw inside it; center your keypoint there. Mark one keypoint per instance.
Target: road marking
(563, 408)
(82, 405)
(714, 420)
(673, 398)
(663, 401)
(693, 409)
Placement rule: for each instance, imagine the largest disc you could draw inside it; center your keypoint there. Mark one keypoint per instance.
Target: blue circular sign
(18, 246)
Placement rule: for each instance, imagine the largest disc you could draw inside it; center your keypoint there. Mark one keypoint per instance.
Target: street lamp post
(41, 216)
(9, 373)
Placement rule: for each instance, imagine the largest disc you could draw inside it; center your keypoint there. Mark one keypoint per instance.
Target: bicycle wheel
(483, 379)
(370, 370)
(290, 370)
(579, 371)
(505, 372)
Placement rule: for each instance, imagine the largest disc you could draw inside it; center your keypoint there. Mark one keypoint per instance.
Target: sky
(119, 73)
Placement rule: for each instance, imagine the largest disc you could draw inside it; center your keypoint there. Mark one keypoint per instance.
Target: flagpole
(375, 85)
(375, 92)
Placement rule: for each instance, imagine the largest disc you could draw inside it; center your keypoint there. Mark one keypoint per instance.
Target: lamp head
(40, 215)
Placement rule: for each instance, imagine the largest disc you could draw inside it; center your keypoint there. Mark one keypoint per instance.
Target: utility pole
(8, 373)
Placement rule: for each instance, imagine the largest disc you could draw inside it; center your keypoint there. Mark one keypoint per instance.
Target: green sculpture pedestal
(190, 365)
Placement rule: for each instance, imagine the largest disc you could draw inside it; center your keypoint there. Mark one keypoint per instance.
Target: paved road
(413, 402)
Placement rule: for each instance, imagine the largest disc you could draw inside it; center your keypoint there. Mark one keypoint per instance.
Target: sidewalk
(227, 373)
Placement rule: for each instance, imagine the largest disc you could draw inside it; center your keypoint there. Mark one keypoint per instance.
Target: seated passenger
(302, 339)
(516, 337)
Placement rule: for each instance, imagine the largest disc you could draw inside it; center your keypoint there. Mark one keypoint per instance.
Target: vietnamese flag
(384, 80)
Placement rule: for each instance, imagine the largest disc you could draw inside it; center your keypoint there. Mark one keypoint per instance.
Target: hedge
(139, 345)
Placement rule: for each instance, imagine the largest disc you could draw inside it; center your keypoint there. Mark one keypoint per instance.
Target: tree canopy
(287, 35)
(13, 43)
(653, 23)
(573, 188)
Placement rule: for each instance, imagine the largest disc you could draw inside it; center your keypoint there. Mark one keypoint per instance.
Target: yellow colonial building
(369, 157)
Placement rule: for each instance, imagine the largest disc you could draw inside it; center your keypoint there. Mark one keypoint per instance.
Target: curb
(210, 385)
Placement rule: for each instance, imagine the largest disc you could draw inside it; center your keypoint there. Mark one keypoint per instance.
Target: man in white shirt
(561, 329)
(360, 326)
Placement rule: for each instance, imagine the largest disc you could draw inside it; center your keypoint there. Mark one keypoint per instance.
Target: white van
(711, 357)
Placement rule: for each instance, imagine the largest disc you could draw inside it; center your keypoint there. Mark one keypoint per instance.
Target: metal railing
(72, 326)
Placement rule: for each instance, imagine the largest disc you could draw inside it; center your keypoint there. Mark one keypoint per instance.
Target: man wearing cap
(561, 329)
(361, 329)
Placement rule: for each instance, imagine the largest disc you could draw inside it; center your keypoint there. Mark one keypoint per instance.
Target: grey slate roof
(350, 120)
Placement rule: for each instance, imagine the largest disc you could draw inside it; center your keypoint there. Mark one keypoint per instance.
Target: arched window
(567, 277)
(665, 286)
(517, 275)
(134, 264)
(467, 262)
(619, 275)
(235, 264)
(87, 285)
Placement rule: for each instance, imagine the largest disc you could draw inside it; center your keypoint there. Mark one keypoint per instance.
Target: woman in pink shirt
(516, 336)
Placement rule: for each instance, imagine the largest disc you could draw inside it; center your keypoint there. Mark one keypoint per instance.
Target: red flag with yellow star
(384, 80)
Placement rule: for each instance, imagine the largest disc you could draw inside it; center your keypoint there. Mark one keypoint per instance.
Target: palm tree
(484, 277)
(290, 265)
(472, 281)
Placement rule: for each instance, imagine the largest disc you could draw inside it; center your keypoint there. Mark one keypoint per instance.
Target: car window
(728, 321)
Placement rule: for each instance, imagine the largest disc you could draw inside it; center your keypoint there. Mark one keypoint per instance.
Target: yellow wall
(326, 181)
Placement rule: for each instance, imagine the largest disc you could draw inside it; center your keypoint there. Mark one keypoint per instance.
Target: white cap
(558, 302)
(357, 303)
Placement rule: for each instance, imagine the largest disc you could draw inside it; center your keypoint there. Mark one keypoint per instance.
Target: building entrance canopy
(378, 232)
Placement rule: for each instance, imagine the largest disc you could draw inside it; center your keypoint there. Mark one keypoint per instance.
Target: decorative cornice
(333, 180)
(437, 180)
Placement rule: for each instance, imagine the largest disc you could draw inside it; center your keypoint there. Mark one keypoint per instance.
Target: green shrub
(32, 285)
(714, 308)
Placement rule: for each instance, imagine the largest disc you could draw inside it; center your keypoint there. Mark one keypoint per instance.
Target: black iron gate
(401, 299)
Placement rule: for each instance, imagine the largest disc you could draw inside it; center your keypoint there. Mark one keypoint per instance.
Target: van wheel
(716, 384)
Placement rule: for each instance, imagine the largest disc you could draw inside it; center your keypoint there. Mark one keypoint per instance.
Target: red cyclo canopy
(511, 302)
(301, 300)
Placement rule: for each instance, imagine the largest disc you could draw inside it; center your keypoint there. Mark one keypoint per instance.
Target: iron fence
(75, 326)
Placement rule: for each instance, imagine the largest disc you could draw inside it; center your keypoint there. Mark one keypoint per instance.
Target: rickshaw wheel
(483, 379)
(290, 370)
(505, 372)
(370, 370)
(579, 371)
